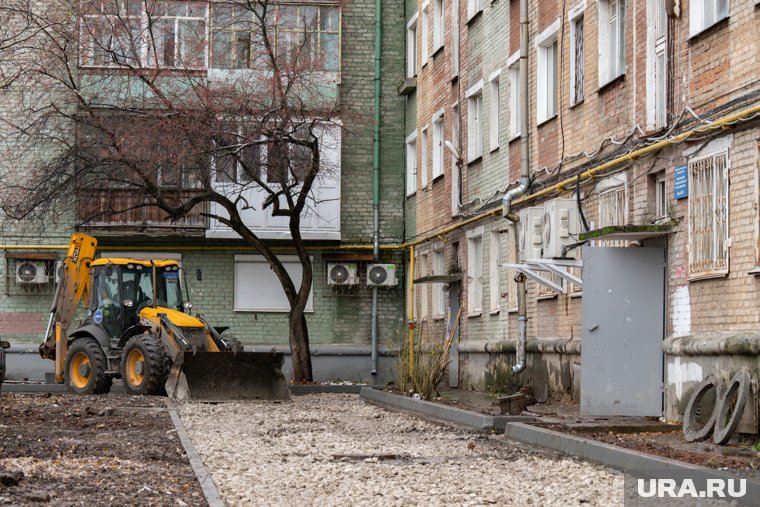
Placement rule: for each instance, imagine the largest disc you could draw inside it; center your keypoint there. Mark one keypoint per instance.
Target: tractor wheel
(144, 365)
(85, 368)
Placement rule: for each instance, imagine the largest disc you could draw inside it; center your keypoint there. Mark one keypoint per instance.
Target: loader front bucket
(228, 376)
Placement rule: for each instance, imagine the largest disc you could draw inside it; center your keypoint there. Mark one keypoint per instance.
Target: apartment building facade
(624, 103)
(203, 42)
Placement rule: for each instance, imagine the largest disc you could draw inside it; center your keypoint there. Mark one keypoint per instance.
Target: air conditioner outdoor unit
(31, 272)
(342, 274)
(561, 227)
(382, 275)
(529, 230)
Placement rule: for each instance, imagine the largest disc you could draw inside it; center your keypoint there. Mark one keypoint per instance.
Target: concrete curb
(302, 389)
(204, 478)
(441, 412)
(49, 388)
(619, 458)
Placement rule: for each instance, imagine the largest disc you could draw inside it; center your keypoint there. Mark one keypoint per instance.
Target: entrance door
(623, 328)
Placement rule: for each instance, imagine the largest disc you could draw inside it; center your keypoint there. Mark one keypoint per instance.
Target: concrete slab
(625, 460)
(441, 412)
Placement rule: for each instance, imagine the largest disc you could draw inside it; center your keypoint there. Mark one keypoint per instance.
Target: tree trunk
(299, 347)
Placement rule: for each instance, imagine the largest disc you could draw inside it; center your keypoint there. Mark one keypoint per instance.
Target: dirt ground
(67, 450)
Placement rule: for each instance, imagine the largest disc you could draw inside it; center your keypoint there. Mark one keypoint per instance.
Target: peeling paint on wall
(679, 373)
(680, 312)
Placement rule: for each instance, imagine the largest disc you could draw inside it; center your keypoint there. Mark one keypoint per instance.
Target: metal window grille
(546, 292)
(612, 211)
(578, 94)
(708, 215)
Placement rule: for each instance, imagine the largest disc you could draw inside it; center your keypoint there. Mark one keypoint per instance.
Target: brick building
(606, 79)
(237, 287)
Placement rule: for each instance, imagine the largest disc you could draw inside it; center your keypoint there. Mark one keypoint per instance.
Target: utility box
(561, 227)
(529, 233)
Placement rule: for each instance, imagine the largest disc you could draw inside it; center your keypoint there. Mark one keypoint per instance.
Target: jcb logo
(75, 256)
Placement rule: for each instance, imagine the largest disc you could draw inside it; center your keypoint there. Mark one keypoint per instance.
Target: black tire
(145, 353)
(233, 344)
(730, 407)
(91, 366)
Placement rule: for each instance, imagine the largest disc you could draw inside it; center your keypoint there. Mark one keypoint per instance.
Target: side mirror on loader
(199, 274)
(4, 344)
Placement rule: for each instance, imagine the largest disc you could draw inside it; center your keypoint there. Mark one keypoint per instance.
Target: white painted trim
(411, 137)
(474, 232)
(712, 148)
(412, 21)
(549, 34)
(576, 11)
(438, 113)
(474, 89)
(513, 58)
(494, 75)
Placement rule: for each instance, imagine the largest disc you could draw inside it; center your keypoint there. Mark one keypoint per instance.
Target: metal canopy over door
(623, 327)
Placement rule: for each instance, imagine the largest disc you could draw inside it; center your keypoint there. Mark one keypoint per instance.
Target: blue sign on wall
(681, 182)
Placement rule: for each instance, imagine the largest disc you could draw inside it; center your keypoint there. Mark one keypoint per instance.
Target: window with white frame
(475, 122)
(422, 288)
(660, 198)
(544, 292)
(611, 40)
(423, 158)
(475, 274)
(456, 193)
(438, 145)
(705, 13)
(439, 294)
(613, 206)
(113, 35)
(438, 24)
(411, 47)
(708, 215)
(411, 163)
(577, 62)
(424, 43)
(657, 64)
(233, 164)
(514, 97)
(257, 288)
(454, 30)
(493, 113)
(474, 7)
(494, 278)
(546, 89)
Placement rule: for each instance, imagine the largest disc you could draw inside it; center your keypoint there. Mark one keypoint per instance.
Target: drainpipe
(376, 174)
(522, 187)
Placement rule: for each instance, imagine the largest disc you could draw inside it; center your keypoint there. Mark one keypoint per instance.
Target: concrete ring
(727, 420)
(692, 430)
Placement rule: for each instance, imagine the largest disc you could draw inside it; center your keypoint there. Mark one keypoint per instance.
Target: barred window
(612, 211)
(708, 216)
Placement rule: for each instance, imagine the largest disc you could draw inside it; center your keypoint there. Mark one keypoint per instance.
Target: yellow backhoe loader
(137, 327)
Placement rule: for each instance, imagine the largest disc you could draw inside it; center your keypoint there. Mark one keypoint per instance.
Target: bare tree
(117, 113)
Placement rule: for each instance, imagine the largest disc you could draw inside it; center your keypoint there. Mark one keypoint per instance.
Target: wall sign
(681, 182)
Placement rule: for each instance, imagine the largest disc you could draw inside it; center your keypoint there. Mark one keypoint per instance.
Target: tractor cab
(122, 288)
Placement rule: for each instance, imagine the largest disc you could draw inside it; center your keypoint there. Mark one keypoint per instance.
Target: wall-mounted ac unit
(382, 275)
(31, 272)
(561, 227)
(529, 232)
(342, 274)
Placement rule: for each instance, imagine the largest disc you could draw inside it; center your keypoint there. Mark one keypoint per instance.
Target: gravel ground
(336, 450)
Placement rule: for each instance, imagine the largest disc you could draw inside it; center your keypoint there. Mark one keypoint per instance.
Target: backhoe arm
(73, 286)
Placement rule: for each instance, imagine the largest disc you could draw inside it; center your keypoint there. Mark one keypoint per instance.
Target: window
(438, 24)
(113, 35)
(439, 293)
(514, 97)
(613, 210)
(411, 163)
(577, 69)
(438, 145)
(493, 116)
(422, 288)
(493, 276)
(424, 46)
(475, 122)
(455, 38)
(546, 92)
(660, 198)
(611, 40)
(456, 167)
(475, 275)
(237, 158)
(424, 159)
(411, 47)
(474, 7)
(301, 34)
(544, 292)
(257, 288)
(657, 66)
(705, 13)
(708, 215)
